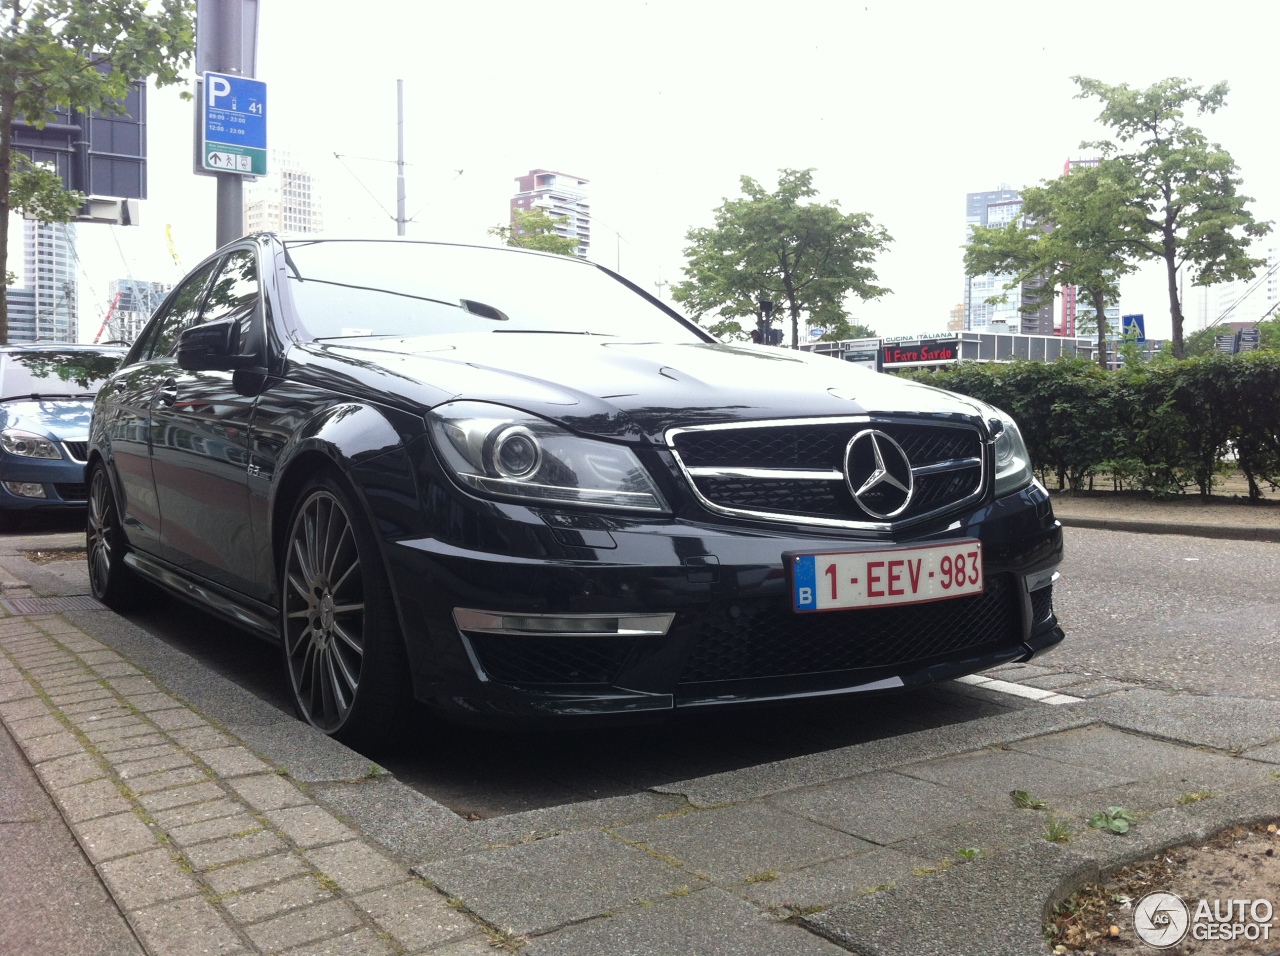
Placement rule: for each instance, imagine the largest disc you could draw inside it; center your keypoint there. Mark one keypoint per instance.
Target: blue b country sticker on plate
(804, 579)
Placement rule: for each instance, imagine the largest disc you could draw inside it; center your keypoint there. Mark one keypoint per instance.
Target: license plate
(853, 579)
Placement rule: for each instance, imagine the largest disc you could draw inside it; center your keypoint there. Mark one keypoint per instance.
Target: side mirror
(213, 346)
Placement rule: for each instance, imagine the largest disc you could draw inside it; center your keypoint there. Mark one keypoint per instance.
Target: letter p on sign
(219, 86)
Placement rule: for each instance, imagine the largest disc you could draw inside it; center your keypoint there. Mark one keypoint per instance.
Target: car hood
(57, 418)
(617, 389)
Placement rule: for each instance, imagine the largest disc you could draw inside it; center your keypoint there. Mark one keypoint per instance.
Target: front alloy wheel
(324, 611)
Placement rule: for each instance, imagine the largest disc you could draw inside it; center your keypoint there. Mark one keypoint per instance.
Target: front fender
(370, 449)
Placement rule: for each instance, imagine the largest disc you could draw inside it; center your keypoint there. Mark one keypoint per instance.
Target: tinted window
(352, 288)
(181, 314)
(234, 293)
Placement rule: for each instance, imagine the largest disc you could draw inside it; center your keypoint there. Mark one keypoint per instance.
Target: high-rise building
(43, 303)
(1241, 300)
(560, 196)
(285, 200)
(133, 301)
(998, 208)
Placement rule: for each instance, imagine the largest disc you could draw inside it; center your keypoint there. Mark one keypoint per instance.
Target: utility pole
(400, 220)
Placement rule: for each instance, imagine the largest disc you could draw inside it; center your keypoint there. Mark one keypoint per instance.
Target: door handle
(167, 393)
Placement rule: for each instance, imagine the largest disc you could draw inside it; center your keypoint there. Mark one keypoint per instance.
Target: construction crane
(173, 249)
(111, 309)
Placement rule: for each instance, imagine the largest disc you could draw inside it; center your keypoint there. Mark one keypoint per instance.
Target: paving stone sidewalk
(205, 848)
(220, 826)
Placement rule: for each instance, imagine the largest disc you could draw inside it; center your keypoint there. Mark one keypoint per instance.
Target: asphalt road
(1199, 615)
(1184, 613)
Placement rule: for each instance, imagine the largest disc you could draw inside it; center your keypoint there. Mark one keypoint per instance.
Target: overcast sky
(901, 108)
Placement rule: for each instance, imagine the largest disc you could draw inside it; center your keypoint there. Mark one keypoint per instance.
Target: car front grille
(795, 470)
(72, 492)
(754, 639)
(78, 450)
(551, 660)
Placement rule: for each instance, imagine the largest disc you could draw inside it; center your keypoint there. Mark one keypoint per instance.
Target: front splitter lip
(620, 702)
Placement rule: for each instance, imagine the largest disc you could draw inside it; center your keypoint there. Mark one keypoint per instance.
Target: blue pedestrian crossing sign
(1133, 328)
(233, 137)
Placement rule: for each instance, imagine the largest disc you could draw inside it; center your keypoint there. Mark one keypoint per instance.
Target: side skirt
(258, 619)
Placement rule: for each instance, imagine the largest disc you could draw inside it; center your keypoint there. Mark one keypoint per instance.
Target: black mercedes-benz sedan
(515, 485)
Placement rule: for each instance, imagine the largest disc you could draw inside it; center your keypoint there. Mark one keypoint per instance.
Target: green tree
(1203, 341)
(534, 229)
(839, 328)
(1076, 230)
(802, 256)
(81, 54)
(1270, 334)
(1185, 187)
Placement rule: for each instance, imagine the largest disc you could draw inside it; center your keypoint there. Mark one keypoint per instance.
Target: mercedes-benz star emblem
(878, 473)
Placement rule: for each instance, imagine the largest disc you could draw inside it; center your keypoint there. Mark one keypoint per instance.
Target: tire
(111, 581)
(343, 652)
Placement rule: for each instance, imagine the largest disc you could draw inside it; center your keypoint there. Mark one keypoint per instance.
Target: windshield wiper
(603, 335)
(41, 396)
(370, 288)
(471, 306)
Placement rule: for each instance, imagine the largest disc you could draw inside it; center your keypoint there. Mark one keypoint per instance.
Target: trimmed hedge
(1164, 427)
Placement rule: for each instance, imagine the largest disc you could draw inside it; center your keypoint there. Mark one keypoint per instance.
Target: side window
(234, 294)
(182, 311)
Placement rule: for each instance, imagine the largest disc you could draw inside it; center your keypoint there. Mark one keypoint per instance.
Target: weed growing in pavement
(1024, 801)
(1195, 796)
(870, 890)
(932, 870)
(969, 854)
(768, 876)
(1058, 830)
(1117, 820)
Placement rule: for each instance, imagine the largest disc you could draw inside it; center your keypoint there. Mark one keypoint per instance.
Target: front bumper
(733, 637)
(62, 481)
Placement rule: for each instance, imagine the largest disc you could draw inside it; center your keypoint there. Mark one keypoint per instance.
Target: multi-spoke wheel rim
(323, 612)
(99, 533)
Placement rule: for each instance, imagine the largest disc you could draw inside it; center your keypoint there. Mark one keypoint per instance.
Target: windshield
(55, 371)
(345, 289)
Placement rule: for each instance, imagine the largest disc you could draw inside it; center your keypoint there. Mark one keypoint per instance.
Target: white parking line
(1019, 690)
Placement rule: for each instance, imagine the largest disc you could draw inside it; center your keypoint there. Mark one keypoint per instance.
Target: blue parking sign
(234, 127)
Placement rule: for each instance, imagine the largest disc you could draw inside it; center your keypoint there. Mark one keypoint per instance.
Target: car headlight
(1013, 463)
(503, 453)
(27, 445)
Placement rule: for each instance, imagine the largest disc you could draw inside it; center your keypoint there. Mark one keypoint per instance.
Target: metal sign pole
(400, 157)
(226, 32)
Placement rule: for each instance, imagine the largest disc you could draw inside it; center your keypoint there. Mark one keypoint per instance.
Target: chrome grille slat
(955, 464)
(769, 474)
(793, 470)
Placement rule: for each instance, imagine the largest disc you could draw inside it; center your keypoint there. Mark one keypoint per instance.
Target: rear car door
(124, 407)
